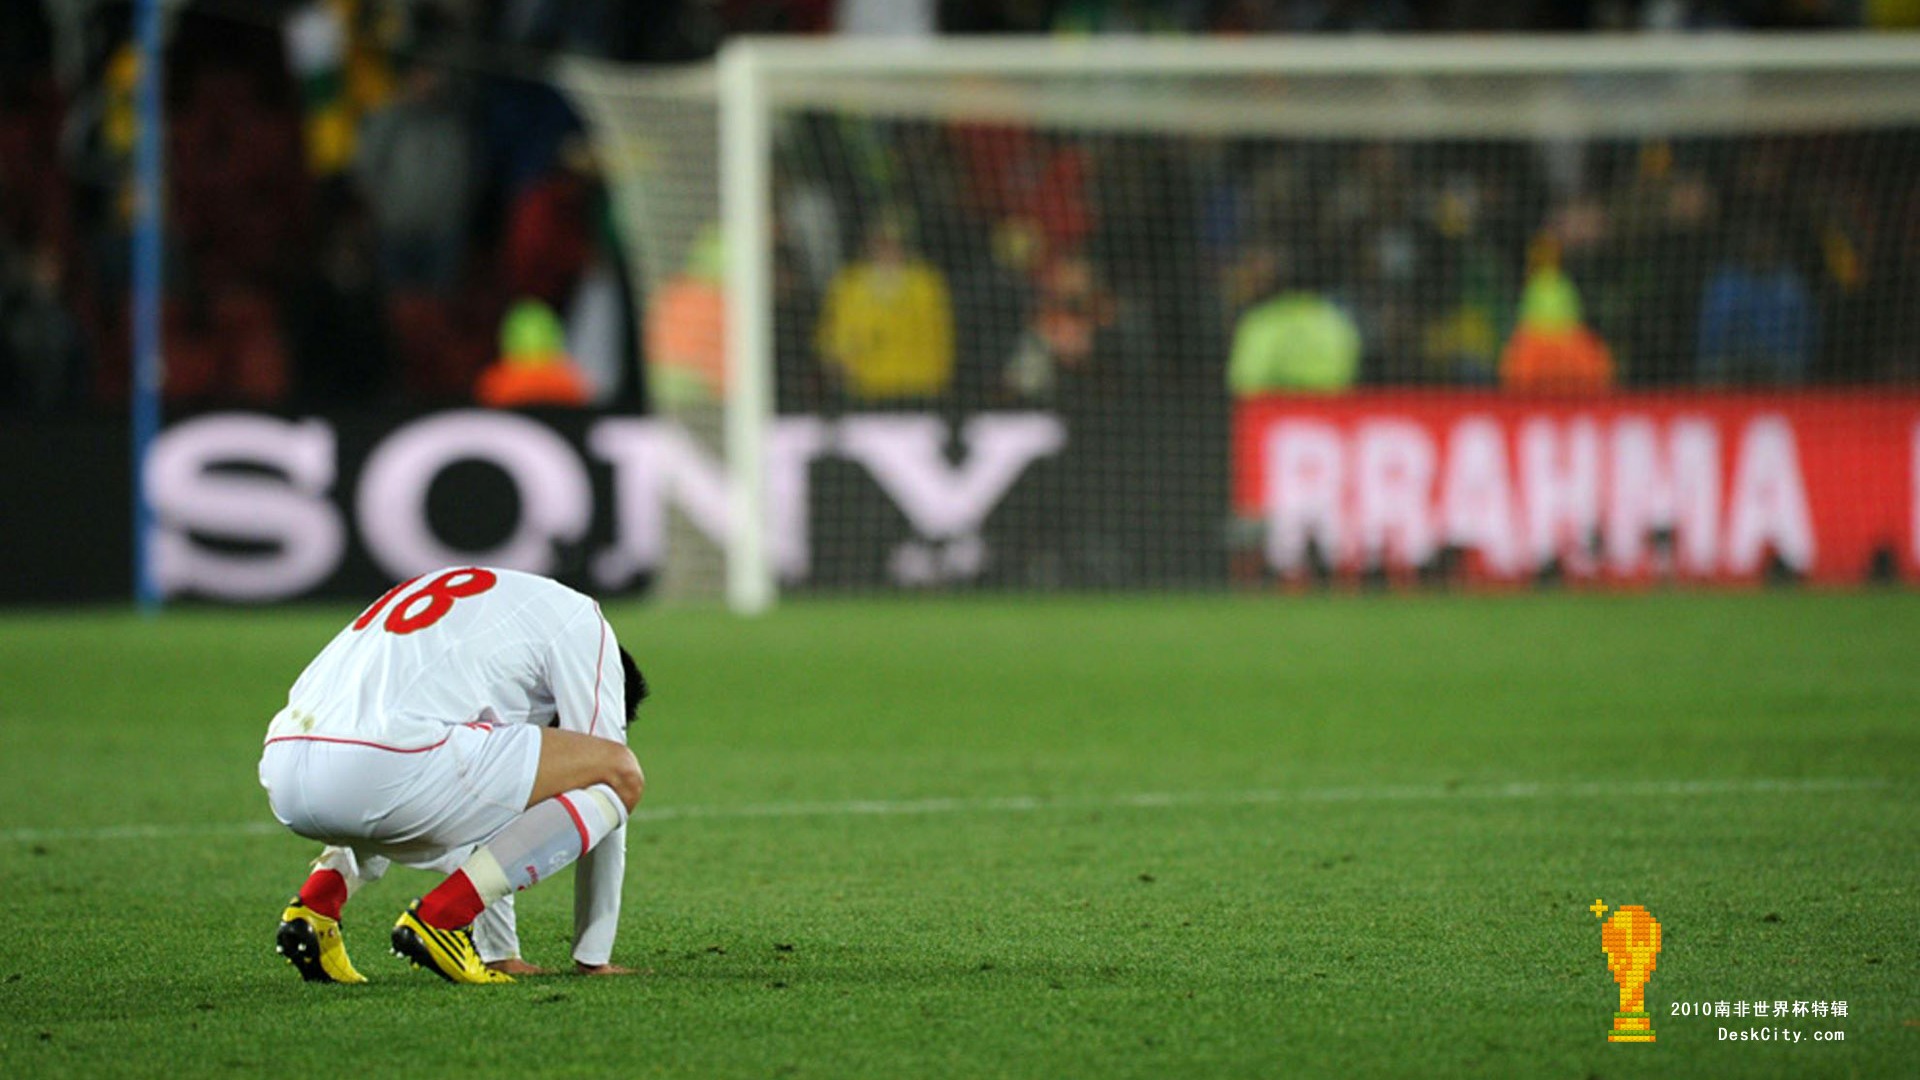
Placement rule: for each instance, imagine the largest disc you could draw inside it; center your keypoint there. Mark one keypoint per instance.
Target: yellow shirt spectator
(887, 327)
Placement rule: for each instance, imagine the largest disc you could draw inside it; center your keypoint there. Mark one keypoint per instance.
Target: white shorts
(419, 808)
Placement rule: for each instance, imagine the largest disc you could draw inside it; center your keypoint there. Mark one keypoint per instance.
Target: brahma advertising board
(1691, 486)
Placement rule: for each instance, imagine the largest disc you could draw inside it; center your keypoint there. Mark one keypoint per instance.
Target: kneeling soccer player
(472, 721)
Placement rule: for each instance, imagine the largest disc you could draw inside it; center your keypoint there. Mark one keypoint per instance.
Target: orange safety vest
(508, 386)
(1571, 360)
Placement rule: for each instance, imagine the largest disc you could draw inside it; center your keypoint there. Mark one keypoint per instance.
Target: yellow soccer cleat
(447, 953)
(311, 942)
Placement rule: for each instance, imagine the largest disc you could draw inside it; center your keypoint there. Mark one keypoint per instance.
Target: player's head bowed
(636, 684)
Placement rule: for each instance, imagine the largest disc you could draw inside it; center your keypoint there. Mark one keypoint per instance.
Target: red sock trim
(586, 840)
(453, 904)
(325, 892)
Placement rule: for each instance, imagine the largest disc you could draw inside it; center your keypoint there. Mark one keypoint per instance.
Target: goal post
(1033, 389)
(746, 179)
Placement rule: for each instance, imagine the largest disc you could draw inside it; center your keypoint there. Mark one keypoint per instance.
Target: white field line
(1028, 803)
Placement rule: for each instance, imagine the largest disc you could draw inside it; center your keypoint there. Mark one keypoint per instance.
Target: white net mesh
(1022, 301)
(656, 135)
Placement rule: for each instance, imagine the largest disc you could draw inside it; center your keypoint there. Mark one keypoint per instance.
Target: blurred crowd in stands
(381, 202)
(1037, 264)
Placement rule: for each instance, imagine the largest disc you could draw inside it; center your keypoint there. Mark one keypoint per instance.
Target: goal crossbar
(1441, 54)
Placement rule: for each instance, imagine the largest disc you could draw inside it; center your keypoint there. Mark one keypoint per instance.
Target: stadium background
(956, 806)
(368, 203)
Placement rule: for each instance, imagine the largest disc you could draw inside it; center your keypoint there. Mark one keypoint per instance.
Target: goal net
(1121, 314)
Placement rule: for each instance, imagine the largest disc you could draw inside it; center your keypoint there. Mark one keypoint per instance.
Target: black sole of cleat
(298, 942)
(408, 945)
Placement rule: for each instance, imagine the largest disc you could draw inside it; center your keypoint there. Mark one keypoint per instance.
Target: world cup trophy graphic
(1631, 940)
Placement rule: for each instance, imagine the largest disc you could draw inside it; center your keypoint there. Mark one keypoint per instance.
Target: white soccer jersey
(480, 646)
(457, 646)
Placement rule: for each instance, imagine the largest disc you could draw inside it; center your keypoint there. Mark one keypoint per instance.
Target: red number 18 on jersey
(440, 593)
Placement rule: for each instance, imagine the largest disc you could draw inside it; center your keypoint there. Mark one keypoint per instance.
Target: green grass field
(1165, 838)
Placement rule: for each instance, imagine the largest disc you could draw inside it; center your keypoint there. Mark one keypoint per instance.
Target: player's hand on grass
(516, 967)
(602, 969)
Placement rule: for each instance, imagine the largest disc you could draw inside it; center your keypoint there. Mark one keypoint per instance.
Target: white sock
(355, 870)
(543, 840)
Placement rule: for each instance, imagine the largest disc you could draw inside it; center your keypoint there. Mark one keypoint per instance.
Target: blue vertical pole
(149, 220)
